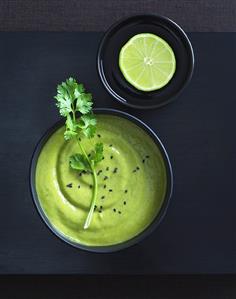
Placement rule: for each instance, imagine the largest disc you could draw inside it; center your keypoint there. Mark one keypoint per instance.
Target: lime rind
(137, 72)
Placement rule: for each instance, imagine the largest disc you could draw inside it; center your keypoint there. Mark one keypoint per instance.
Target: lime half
(147, 62)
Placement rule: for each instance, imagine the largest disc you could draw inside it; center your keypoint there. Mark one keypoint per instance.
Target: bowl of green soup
(145, 61)
(134, 184)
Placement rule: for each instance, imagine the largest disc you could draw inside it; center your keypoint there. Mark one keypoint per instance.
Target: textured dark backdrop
(97, 15)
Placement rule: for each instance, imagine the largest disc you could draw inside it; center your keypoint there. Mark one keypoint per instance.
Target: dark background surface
(195, 236)
(98, 15)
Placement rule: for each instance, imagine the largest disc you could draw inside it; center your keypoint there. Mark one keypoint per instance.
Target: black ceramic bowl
(108, 57)
(143, 234)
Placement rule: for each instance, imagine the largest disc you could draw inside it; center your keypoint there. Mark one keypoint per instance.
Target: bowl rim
(102, 76)
(136, 239)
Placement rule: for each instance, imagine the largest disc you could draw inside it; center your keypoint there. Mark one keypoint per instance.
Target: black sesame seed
(143, 160)
(99, 136)
(89, 155)
(111, 157)
(126, 191)
(100, 211)
(119, 212)
(110, 145)
(115, 170)
(104, 186)
(103, 158)
(107, 168)
(95, 207)
(100, 171)
(90, 186)
(69, 185)
(102, 197)
(124, 202)
(114, 210)
(134, 170)
(80, 174)
(101, 207)
(110, 190)
(79, 139)
(79, 186)
(147, 157)
(105, 178)
(137, 168)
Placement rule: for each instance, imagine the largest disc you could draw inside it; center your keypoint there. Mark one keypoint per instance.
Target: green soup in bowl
(134, 184)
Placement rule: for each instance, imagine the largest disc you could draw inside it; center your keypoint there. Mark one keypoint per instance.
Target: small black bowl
(142, 235)
(108, 60)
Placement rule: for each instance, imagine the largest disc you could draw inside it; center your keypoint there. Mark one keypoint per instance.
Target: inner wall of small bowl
(109, 57)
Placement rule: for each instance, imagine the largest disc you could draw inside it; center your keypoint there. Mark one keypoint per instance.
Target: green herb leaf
(79, 89)
(84, 103)
(69, 134)
(97, 154)
(79, 162)
(71, 97)
(71, 128)
(69, 88)
(63, 103)
(87, 124)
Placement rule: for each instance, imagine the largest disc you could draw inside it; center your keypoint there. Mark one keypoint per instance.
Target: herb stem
(95, 188)
(93, 201)
(73, 112)
(83, 151)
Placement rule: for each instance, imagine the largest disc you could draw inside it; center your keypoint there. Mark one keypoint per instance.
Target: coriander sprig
(72, 99)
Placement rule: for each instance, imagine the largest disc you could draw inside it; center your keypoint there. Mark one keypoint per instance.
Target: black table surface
(98, 15)
(198, 130)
